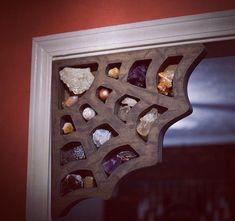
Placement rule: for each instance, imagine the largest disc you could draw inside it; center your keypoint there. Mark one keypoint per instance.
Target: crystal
(123, 111)
(88, 113)
(103, 94)
(126, 155)
(101, 136)
(137, 75)
(78, 80)
(165, 82)
(145, 123)
(111, 164)
(70, 101)
(78, 153)
(126, 105)
(72, 182)
(114, 73)
(67, 128)
(129, 101)
(89, 182)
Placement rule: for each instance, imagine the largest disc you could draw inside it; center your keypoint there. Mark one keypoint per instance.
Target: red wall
(22, 20)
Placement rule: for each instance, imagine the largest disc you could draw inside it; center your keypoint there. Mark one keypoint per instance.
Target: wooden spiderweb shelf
(171, 109)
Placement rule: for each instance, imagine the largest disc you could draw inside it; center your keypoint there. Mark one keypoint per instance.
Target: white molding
(216, 26)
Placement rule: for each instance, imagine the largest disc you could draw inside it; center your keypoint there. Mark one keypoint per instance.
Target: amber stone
(114, 73)
(67, 128)
(88, 182)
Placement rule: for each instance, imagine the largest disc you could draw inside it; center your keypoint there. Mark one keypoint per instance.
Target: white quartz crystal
(101, 136)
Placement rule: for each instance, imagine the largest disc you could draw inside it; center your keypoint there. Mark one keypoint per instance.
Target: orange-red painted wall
(22, 20)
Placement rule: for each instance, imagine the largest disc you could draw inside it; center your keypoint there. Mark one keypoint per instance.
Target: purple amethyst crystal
(111, 164)
(137, 75)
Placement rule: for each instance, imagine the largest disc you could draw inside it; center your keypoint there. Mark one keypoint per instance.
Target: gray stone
(78, 80)
(145, 123)
(123, 111)
(129, 101)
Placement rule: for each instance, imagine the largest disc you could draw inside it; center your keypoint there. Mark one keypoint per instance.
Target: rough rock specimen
(89, 182)
(88, 113)
(114, 73)
(76, 153)
(145, 123)
(78, 80)
(123, 111)
(67, 128)
(103, 94)
(101, 136)
(70, 101)
(125, 107)
(126, 155)
(111, 164)
(71, 182)
(165, 82)
(129, 101)
(137, 75)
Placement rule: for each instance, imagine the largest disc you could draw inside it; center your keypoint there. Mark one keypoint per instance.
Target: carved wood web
(148, 151)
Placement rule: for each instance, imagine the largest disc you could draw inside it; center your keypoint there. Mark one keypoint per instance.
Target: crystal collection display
(109, 115)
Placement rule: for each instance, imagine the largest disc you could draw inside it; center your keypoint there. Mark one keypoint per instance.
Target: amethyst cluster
(137, 75)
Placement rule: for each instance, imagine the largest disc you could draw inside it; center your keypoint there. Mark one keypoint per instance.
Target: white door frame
(208, 27)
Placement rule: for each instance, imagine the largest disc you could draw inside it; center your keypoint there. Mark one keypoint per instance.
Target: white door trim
(208, 27)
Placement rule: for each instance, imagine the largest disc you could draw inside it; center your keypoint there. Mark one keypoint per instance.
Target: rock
(126, 105)
(78, 80)
(129, 101)
(70, 101)
(101, 136)
(114, 73)
(165, 82)
(126, 155)
(78, 153)
(145, 123)
(88, 113)
(137, 75)
(103, 94)
(67, 128)
(123, 111)
(71, 182)
(111, 164)
(89, 182)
